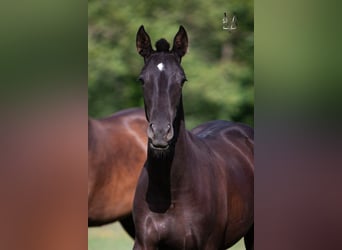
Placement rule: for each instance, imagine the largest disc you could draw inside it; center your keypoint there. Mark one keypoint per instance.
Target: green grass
(113, 237)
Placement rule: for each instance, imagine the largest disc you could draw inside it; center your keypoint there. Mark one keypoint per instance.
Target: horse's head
(162, 78)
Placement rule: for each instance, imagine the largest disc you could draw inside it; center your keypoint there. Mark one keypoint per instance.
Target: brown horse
(196, 188)
(116, 154)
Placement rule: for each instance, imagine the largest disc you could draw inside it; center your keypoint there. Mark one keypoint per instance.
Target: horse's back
(124, 117)
(226, 134)
(214, 128)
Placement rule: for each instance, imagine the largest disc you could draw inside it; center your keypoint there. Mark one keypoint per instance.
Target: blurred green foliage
(219, 64)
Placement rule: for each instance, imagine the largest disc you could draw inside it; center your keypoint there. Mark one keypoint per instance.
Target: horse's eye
(141, 80)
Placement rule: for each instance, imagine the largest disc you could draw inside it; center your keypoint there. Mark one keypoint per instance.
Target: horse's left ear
(180, 42)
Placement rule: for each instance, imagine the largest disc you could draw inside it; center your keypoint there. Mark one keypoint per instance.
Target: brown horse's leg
(249, 239)
(128, 224)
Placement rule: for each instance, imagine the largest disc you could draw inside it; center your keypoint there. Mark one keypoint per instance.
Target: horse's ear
(180, 42)
(143, 43)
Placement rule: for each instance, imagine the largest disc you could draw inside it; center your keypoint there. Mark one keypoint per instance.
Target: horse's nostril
(169, 132)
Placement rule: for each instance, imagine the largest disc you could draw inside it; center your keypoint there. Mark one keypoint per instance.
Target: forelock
(162, 45)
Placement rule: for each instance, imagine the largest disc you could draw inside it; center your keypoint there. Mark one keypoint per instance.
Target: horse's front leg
(249, 239)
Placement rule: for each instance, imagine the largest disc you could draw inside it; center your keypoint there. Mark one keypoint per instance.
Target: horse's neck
(166, 171)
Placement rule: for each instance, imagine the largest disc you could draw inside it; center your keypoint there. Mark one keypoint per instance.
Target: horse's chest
(175, 230)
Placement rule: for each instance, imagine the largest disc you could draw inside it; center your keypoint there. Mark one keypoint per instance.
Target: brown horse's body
(116, 154)
(196, 190)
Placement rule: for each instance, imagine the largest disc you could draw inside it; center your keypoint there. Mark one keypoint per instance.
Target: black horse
(196, 188)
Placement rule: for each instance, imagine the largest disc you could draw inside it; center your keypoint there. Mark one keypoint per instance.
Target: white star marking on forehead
(160, 66)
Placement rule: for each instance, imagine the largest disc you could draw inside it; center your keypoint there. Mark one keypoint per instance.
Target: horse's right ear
(143, 43)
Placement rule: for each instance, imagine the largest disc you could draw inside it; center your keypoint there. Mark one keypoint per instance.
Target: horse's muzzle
(160, 135)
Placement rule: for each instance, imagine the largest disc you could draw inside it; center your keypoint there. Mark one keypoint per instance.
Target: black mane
(162, 45)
